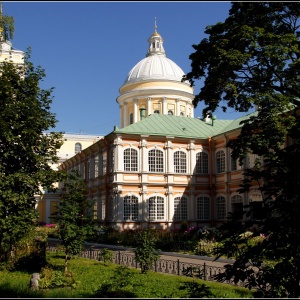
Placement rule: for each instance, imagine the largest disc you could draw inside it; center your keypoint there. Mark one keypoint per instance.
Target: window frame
(156, 162)
(180, 161)
(220, 161)
(78, 147)
(130, 161)
(201, 164)
(221, 211)
(203, 206)
(156, 208)
(181, 208)
(130, 208)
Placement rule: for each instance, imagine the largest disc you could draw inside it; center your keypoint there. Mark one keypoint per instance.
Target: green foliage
(74, 217)
(145, 252)
(252, 60)
(7, 27)
(25, 149)
(105, 255)
(196, 290)
(118, 286)
(92, 274)
(43, 232)
(55, 278)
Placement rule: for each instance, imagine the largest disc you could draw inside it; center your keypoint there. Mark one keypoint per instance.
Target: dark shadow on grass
(7, 291)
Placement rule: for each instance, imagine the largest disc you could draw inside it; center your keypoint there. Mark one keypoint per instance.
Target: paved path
(173, 256)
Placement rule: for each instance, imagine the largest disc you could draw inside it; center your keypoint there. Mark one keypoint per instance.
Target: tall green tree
(252, 60)
(74, 216)
(25, 150)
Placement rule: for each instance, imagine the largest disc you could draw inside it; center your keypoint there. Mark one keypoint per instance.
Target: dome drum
(154, 85)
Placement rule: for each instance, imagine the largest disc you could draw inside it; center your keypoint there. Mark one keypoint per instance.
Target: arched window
(156, 111)
(156, 160)
(170, 112)
(221, 208)
(130, 160)
(131, 118)
(180, 208)
(180, 162)
(237, 206)
(156, 208)
(220, 161)
(78, 148)
(203, 208)
(202, 163)
(182, 113)
(130, 208)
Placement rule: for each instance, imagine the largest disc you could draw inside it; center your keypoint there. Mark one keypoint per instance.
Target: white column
(187, 109)
(164, 106)
(135, 111)
(149, 108)
(125, 113)
(192, 109)
(121, 117)
(177, 107)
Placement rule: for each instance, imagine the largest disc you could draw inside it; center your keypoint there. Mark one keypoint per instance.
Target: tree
(74, 216)
(145, 252)
(25, 149)
(252, 60)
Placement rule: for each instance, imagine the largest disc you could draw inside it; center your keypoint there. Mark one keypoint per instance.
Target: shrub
(105, 255)
(145, 252)
(55, 278)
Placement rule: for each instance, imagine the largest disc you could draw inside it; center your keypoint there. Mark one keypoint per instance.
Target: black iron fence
(173, 267)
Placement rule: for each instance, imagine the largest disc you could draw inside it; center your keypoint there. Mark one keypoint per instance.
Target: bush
(55, 278)
(145, 252)
(118, 286)
(105, 255)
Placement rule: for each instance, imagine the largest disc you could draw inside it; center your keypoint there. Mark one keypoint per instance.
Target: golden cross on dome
(155, 27)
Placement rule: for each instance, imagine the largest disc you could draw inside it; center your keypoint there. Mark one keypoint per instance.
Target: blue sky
(88, 48)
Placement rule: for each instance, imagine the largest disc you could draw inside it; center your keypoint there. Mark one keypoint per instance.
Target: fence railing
(174, 267)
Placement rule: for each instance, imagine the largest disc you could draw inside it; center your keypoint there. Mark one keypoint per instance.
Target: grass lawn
(89, 275)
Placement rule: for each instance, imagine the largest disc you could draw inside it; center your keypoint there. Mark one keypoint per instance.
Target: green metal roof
(167, 125)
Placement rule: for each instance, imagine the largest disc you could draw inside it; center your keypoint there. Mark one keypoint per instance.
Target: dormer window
(78, 148)
(156, 111)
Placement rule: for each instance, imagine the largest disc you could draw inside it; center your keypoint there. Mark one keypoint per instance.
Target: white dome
(155, 67)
